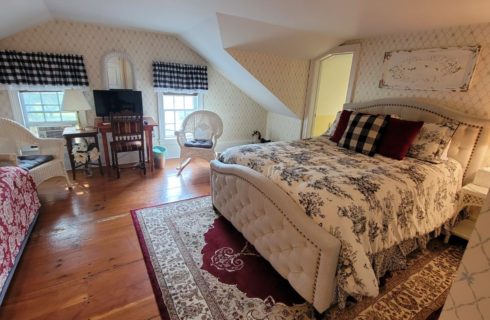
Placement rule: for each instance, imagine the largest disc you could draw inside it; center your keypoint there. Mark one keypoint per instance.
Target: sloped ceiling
(286, 78)
(299, 29)
(210, 47)
(253, 35)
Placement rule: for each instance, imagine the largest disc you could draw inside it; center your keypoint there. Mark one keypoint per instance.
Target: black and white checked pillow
(364, 133)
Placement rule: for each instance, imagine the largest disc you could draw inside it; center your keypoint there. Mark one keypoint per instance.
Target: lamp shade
(74, 100)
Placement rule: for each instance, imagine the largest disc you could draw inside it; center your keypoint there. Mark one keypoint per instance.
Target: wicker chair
(128, 136)
(14, 137)
(198, 137)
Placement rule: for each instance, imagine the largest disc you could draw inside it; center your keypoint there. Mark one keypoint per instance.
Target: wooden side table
(71, 133)
(470, 195)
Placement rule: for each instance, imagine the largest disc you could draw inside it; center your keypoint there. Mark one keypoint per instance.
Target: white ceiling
(298, 28)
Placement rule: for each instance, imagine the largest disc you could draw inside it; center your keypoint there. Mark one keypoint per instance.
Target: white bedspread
(368, 203)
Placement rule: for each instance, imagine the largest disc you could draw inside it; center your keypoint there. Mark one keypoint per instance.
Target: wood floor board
(75, 263)
(83, 260)
(95, 293)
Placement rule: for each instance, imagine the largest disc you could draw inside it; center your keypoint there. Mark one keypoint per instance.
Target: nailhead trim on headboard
(480, 128)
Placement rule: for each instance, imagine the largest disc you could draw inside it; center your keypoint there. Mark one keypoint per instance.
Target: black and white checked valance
(176, 76)
(38, 68)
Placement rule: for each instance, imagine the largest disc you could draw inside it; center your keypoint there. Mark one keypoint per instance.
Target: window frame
(161, 111)
(28, 124)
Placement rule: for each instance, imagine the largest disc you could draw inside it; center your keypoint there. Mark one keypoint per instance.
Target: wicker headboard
(470, 142)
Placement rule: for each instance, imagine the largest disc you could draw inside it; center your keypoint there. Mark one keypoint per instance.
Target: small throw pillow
(364, 133)
(432, 140)
(203, 132)
(341, 125)
(331, 130)
(398, 137)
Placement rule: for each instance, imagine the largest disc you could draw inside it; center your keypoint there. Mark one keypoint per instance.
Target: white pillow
(444, 155)
(203, 132)
(432, 140)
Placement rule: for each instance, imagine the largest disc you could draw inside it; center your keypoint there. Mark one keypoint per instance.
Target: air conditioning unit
(50, 132)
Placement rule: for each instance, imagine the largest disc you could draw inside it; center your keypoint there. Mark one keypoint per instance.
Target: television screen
(116, 101)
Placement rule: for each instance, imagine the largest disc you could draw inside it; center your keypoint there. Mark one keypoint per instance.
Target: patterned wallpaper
(5, 110)
(240, 113)
(282, 128)
(469, 297)
(476, 101)
(286, 78)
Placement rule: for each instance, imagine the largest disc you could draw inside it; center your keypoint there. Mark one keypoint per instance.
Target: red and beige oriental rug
(202, 268)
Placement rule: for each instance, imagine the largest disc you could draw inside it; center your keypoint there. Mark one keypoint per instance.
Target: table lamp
(74, 100)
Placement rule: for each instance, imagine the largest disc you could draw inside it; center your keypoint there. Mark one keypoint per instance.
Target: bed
(19, 206)
(332, 221)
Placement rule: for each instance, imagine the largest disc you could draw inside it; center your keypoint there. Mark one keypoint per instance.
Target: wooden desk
(104, 128)
(71, 133)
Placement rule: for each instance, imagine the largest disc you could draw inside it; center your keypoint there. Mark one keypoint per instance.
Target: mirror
(118, 71)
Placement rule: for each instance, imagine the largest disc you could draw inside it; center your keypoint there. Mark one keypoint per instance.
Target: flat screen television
(116, 101)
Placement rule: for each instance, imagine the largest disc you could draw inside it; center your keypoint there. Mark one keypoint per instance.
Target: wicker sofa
(14, 137)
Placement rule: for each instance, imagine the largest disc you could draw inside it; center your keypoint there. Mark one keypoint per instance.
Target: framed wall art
(438, 69)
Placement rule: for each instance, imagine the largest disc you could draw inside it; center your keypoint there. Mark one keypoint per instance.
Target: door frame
(314, 80)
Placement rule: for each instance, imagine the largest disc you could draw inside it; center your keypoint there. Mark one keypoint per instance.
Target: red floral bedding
(18, 208)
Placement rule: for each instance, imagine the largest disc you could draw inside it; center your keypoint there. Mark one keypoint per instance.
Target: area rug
(202, 268)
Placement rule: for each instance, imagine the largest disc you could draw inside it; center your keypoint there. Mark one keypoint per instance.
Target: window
(44, 109)
(175, 108)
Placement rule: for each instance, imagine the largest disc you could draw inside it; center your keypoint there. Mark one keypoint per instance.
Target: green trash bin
(159, 157)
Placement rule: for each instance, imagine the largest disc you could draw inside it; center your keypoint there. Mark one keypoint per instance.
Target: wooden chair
(127, 135)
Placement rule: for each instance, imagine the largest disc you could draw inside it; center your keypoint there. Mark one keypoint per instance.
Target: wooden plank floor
(83, 260)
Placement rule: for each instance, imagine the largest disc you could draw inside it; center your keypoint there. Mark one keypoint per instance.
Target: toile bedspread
(369, 203)
(18, 208)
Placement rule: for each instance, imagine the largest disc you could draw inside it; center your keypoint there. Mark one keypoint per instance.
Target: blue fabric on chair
(32, 161)
(199, 143)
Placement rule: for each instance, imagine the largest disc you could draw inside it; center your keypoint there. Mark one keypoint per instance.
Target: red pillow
(398, 137)
(341, 126)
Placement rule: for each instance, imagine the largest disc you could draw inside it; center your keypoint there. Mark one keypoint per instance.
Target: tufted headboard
(470, 142)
